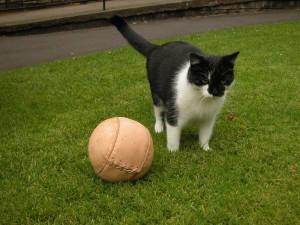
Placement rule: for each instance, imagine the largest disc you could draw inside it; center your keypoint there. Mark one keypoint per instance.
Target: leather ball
(120, 149)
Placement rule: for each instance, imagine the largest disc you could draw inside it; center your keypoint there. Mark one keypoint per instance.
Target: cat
(186, 84)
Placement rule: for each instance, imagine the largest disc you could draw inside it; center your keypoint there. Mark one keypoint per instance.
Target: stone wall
(7, 5)
(25, 4)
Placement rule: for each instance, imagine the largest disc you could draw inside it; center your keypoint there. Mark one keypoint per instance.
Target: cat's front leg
(205, 132)
(159, 123)
(173, 137)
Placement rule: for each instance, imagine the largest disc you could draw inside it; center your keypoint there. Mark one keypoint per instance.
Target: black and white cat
(186, 84)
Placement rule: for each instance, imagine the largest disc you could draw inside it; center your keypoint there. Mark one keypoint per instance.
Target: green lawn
(252, 177)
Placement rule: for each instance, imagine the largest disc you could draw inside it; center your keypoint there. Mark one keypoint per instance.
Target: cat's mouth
(208, 93)
(217, 95)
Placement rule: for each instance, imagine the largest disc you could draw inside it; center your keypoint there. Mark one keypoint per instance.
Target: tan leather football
(120, 149)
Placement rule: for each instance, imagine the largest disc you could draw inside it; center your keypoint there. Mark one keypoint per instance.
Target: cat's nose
(215, 92)
(212, 91)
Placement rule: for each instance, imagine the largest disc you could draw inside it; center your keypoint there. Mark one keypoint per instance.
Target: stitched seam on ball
(111, 150)
(104, 167)
(123, 166)
(148, 150)
(147, 155)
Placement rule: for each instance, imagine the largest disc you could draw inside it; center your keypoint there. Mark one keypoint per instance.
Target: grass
(252, 177)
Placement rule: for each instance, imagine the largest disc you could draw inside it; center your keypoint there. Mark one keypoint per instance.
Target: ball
(120, 149)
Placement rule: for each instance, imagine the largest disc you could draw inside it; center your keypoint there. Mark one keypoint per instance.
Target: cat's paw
(206, 147)
(172, 147)
(158, 127)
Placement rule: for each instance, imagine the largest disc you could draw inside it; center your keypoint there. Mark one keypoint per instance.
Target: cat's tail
(138, 42)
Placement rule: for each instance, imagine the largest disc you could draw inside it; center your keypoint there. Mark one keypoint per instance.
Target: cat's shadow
(189, 139)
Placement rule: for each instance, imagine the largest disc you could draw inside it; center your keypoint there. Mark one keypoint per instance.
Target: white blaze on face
(205, 92)
(209, 74)
(205, 87)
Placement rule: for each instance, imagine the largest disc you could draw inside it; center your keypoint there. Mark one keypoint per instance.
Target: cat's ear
(196, 59)
(231, 58)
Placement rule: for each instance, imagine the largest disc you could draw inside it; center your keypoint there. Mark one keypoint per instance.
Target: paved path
(33, 49)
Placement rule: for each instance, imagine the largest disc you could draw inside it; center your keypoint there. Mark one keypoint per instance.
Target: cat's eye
(198, 82)
(201, 81)
(204, 81)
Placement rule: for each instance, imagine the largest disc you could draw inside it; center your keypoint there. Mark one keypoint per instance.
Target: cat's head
(214, 73)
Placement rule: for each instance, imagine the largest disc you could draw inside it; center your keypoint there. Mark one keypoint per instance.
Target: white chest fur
(194, 103)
